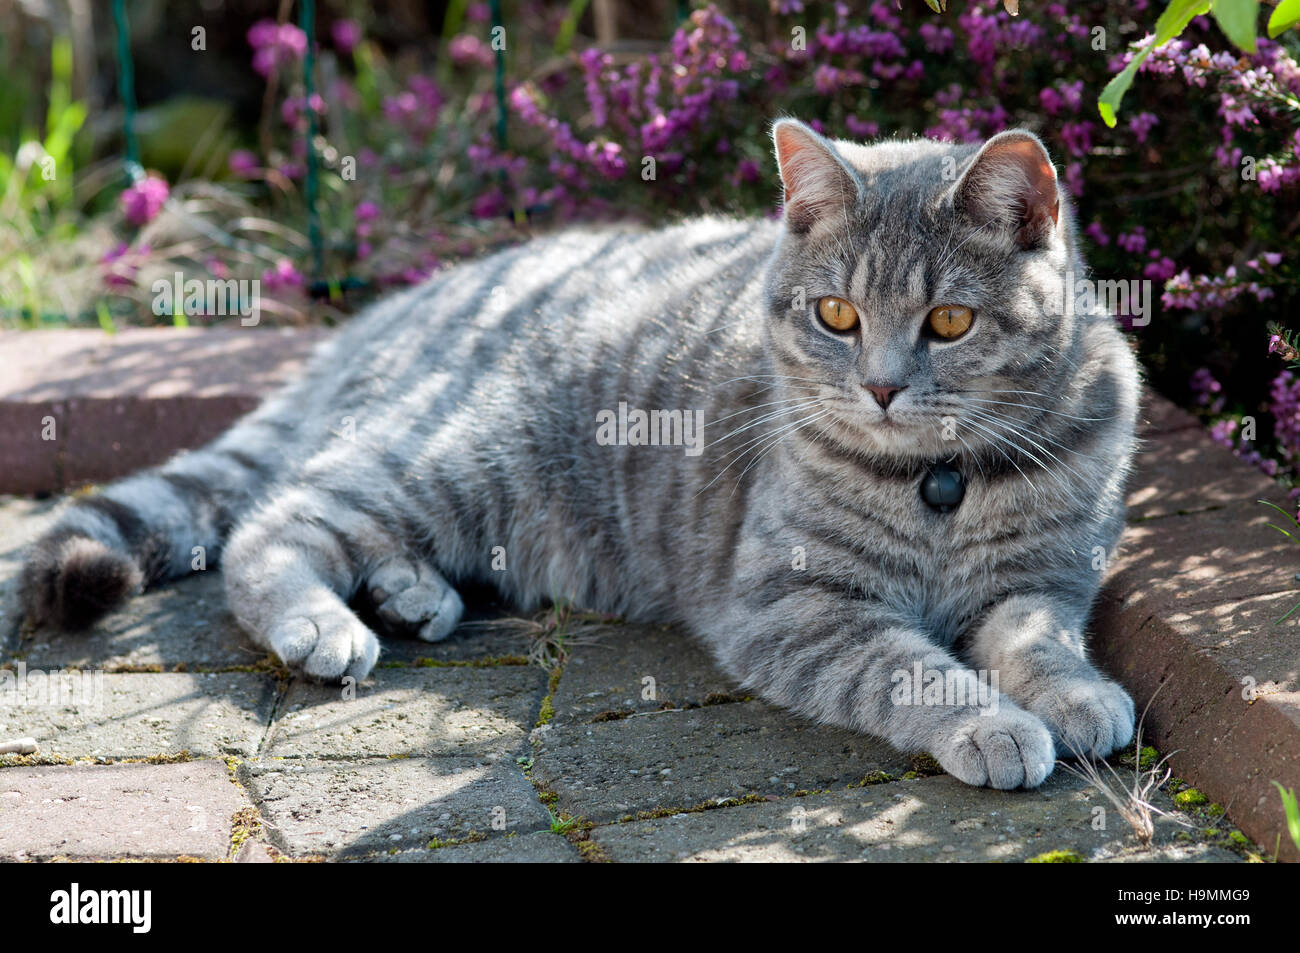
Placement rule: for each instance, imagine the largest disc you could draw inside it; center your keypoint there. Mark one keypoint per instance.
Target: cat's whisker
(773, 381)
(747, 443)
(770, 403)
(969, 452)
(993, 421)
(757, 441)
(772, 415)
(1058, 478)
(1044, 410)
(1006, 455)
(771, 446)
(939, 267)
(1005, 419)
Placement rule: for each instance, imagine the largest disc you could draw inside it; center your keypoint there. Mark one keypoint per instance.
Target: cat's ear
(817, 181)
(1012, 181)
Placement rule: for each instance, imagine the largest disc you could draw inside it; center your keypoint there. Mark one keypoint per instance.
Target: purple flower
(275, 45)
(142, 201)
(346, 34)
(1134, 242)
(282, 276)
(1097, 234)
(244, 164)
(1077, 137)
(122, 264)
(860, 129)
(465, 49)
(748, 171)
(1142, 124)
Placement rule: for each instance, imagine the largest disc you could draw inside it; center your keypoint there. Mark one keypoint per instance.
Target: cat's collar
(942, 487)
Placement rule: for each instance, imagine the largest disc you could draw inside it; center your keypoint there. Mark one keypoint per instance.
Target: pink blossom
(143, 200)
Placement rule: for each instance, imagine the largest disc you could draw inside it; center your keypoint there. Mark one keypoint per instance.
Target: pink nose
(884, 393)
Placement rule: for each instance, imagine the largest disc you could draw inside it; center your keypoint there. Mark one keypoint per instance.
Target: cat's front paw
(1087, 717)
(328, 644)
(1007, 749)
(414, 597)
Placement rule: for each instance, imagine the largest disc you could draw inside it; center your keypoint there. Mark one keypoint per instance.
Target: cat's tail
(156, 525)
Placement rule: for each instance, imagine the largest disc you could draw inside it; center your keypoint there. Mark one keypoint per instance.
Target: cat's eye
(950, 321)
(837, 314)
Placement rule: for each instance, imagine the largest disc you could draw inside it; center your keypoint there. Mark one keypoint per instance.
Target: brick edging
(1187, 623)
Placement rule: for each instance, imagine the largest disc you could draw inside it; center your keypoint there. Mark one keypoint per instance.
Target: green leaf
(1285, 16)
(1172, 22)
(105, 317)
(569, 26)
(1284, 513)
(1292, 808)
(938, 6)
(1237, 18)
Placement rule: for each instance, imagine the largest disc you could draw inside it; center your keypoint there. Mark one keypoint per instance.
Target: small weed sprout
(1133, 801)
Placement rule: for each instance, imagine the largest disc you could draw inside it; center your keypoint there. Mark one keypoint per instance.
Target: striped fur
(454, 426)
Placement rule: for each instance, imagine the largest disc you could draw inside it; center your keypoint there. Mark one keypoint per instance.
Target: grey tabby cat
(899, 317)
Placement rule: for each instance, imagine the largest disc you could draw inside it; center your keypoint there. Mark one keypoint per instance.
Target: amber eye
(951, 321)
(837, 314)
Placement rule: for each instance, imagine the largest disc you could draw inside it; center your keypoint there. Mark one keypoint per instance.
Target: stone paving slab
(129, 400)
(1216, 557)
(1158, 416)
(929, 820)
(606, 676)
(542, 847)
(478, 712)
(117, 810)
(482, 640)
(1161, 486)
(131, 716)
(680, 759)
(183, 623)
(355, 808)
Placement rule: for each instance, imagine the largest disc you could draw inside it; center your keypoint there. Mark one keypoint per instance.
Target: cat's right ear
(817, 182)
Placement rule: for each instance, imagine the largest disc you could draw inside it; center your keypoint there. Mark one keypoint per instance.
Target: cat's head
(918, 283)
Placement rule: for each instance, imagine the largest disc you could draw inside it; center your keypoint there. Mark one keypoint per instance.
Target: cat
(911, 460)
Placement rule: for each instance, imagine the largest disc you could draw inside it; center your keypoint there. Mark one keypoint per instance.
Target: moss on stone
(1056, 857)
(592, 853)
(875, 777)
(473, 837)
(547, 712)
(1190, 798)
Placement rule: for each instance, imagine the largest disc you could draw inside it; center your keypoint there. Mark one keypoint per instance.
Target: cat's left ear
(818, 183)
(1012, 182)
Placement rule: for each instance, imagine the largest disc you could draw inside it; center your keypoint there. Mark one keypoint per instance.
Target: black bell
(943, 487)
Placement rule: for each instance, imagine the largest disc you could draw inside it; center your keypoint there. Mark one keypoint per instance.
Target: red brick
(130, 400)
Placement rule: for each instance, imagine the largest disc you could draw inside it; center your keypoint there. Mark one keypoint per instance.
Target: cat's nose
(884, 393)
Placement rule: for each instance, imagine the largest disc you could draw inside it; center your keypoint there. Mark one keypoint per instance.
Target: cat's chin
(900, 438)
(904, 441)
